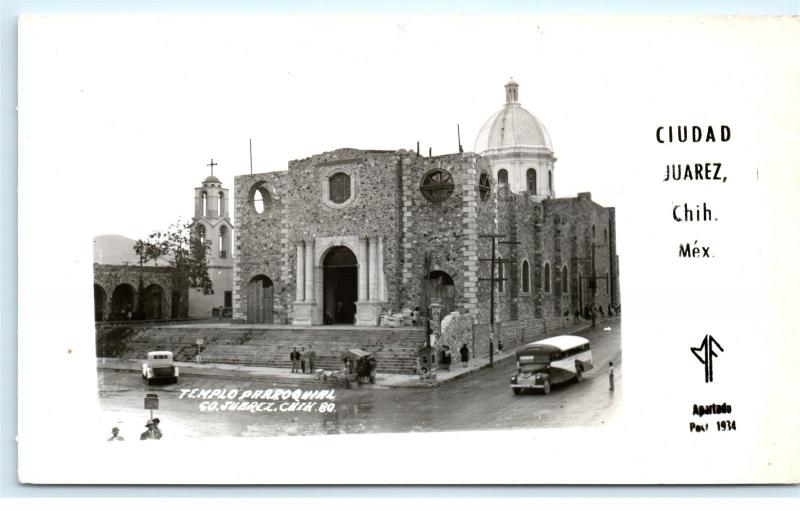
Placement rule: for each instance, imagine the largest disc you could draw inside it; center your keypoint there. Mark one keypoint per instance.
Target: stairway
(395, 349)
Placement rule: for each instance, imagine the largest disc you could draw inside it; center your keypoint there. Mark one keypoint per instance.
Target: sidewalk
(284, 376)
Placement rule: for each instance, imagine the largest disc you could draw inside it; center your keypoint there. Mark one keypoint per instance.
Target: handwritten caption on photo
(261, 401)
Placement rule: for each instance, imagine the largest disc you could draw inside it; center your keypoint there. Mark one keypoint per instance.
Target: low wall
(460, 328)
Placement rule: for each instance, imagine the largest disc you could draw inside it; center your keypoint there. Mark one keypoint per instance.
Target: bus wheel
(516, 391)
(579, 374)
(546, 387)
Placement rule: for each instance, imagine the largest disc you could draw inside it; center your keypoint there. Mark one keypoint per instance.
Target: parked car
(160, 366)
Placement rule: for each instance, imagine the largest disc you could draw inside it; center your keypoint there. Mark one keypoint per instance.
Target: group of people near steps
(153, 431)
(302, 361)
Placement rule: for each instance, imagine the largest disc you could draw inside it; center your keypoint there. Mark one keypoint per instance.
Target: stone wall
(386, 201)
(109, 277)
(258, 240)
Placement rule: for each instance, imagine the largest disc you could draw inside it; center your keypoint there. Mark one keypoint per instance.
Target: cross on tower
(212, 164)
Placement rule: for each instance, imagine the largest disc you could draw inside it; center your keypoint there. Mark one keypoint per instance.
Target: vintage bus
(544, 363)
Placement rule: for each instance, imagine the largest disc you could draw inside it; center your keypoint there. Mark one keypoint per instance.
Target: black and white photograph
(395, 249)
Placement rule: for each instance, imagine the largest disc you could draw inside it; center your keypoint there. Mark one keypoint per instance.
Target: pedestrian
(611, 376)
(312, 360)
(115, 435)
(373, 369)
(303, 360)
(464, 352)
(294, 357)
(157, 428)
(150, 433)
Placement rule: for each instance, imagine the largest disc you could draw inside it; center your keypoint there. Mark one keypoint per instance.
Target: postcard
(408, 249)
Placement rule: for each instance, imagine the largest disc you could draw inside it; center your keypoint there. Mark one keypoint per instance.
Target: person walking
(464, 352)
(611, 376)
(303, 360)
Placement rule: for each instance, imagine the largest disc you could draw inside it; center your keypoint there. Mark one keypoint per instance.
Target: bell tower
(213, 227)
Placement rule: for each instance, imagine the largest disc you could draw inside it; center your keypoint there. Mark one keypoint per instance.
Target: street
(480, 401)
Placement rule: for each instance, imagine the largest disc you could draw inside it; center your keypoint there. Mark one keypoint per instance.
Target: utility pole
(426, 265)
(492, 279)
(593, 279)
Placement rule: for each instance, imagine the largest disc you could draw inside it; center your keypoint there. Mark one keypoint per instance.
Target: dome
(211, 179)
(513, 127)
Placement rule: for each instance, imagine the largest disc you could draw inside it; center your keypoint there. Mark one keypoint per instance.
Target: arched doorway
(99, 302)
(442, 289)
(339, 286)
(260, 298)
(122, 302)
(153, 300)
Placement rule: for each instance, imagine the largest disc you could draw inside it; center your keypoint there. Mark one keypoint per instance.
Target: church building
(347, 236)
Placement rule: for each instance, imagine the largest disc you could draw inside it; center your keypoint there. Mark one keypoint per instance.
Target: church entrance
(442, 289)
(153, 299)
(260, 299)
(339, 286)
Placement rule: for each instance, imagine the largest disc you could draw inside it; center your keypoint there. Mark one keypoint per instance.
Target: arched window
(526, 277)
(201, 233)
(205, 204)
(565, 280)
(502, 177)
(594, 231)
(339, 188)
(222, 206)
(531, 181)
(608, 284)
(550, 182)
(501, 275)
(484, 186)
(605, 235)
(437, 185)
(223, 242)
(546, 277)
(260, 197)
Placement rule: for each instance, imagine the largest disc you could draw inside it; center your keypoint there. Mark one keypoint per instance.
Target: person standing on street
(294, 356)
(150, 434)
(464, 352)
(611, 376)
(115, 435)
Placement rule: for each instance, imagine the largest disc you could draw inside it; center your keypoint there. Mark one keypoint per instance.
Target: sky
(135, 107)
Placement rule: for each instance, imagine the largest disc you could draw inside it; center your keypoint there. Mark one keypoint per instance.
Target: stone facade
(373, 212)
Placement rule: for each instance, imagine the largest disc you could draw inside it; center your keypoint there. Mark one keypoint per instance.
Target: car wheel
(516, 391)
(546, 386)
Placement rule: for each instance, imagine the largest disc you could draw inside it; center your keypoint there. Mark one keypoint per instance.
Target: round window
(260, 197)
(437, 185)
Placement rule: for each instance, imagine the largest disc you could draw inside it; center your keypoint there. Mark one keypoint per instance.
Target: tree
(182, 250)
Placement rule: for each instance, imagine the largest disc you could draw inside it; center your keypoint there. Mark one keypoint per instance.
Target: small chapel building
(345, 236)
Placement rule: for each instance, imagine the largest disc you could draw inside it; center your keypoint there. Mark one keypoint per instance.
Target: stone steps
(395, 349)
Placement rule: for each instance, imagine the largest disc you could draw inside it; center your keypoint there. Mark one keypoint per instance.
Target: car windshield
(160, 357)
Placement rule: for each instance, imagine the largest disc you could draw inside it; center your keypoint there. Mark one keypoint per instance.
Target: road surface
(480, 401)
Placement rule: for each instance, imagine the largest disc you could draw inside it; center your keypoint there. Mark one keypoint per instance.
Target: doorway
(339, 286)
(260, 298)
